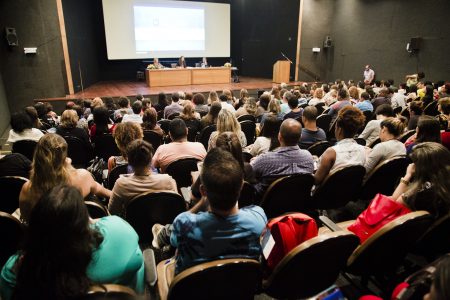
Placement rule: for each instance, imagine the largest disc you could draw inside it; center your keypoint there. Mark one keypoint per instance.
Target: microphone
(286, 58)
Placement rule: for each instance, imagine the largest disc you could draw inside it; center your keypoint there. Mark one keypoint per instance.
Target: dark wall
(260, 29)
(32, 76)
(376, 33)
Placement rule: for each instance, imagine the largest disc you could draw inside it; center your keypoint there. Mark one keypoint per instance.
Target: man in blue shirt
(364, 103)
(311, 134)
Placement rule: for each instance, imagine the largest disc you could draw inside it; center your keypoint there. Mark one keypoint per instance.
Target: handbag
(288, 232)
(381, 211)
(96, 167)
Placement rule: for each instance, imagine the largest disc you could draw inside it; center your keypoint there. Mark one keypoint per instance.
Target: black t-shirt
(15, 164)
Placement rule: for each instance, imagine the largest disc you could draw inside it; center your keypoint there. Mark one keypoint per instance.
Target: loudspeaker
(11, 36)
(415, 43)
(328, 42)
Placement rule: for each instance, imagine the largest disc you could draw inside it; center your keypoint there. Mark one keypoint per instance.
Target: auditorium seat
(319, 148)
(247, 196)
(405, 136)
(246, 118)
(203, 136)
(115, 174)
(323, 121)
(288, 194)
(249, 129)
(153, 138)
(78, 151)
(181, 169)
(147, 209)
(109, 292)
(105, 146)
(12, 233)
(232, 278)
(25, 147)
(311, 267)
(435, 241)
(10, 187)
(96, 210)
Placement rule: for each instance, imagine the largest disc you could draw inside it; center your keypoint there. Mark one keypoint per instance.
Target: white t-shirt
(33, 134)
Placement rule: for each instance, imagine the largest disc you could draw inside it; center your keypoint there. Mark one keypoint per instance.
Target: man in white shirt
(136, 116)
(398, 98)
(369, 75)
(225, 104)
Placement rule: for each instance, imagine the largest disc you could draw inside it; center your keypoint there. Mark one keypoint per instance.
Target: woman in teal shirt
(65, 252)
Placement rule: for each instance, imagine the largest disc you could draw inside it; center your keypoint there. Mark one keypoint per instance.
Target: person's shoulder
(255, 212)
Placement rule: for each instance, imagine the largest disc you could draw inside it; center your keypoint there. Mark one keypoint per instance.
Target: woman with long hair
(65, 251)
(226, 121)
(249, 108)
(124, 134)
(52, 167)
(192, 120)
(200, 104)
(149, 122)
(102, 123)
(268, 139)
(428, 130)
(213, 97)
(211, 116)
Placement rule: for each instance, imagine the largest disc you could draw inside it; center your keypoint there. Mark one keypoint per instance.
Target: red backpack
(284, 234)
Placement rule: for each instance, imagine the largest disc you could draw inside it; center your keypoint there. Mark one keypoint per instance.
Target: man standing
(286, 160)
(369, 75)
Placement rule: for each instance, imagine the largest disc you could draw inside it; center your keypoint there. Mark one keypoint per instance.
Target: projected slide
(169, 29)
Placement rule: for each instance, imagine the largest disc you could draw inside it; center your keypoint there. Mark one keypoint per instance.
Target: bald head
(290, 132)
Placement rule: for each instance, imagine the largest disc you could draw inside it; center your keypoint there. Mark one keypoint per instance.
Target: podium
(281, 70)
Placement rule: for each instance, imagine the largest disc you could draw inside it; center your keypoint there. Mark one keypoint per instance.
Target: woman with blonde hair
(192, 120)
(52, 167)
(243, 96)
(68, 127)
(226, 121)
(273, 110)
(318, 96)
(213, 97)
(124, 134)
(249, 108)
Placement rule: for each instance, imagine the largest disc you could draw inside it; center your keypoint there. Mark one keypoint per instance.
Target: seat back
(173, 116)
(247, 118)
(323, 121)
(406, 135)
(374, 143)
(115, 174)
(226, 279)
(435, 242)
(143, 211)
(25, 147)
(105, 146)
(288, 194)
(109, 292)
(431, 109)
(164, 124)
(360, 141)
(10, 187)
(369, 116)
(339, 187)
(12, 233)
(96, 210)
(246, 156)
(384, 178)
(312, 266)
(319, 148)
(78, 151)
(181, 169)
(247, 196)
(386, 249)
(398, 110)
(320, 108)
(204, 135)
(249, 129)
(153, 138)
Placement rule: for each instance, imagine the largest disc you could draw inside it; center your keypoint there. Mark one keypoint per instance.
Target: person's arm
(155, 159)
(367, 131)
(326, 162)
(95, 188)
(115, 205)
(404, 182)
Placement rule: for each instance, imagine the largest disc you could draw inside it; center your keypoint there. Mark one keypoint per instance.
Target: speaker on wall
(328, 42)
(11, 36)
(415, 43)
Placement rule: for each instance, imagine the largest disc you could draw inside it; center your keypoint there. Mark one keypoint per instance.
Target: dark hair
(222, 178)
(445, 105)
(310, 113)
(393, 125)
(365, 96)
(123, 102)
(416, 107)
(428, 130)
(137, 107)
(139, 97)
(101, 120)
(292, 101)
(270, 129)
(79, 110)
(441, 279)
(385, 110)
(32, 113)
(149, 119)
(177, 129)
(213, 113)
(229, 141)
(291, 131)
(350, 119)
(198, 99)
(58, 248)
(20, 121)
(343, 94)
(223, 98)
(139, 154)
(264, 101)
(175, 97)
(41, 110)
(162, 99)
(146, 103)
(109, 103)
(420, 75)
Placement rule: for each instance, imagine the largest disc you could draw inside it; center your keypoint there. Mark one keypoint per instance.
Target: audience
(135, 117)
(128, 186)
(149, 122)
(415, 111)
(389, 147)
(428, 130)
(102, 123)
(174, 108)
(68, 127)
(224, 99)
(179, 148)
(268, 138)
(200, 104)
(65, 251)
(124, 134)
(372, 130)
(273, 110)
(336, 107)
(124, 109)
(213, 97)
(295, 111)
(226, 121)
(288, 159)
(249, 108)
(51, 167)
(347, 151)
(311, 134)
(212, 115)
(162, 102)
(364, 103)
(22, 128)
(382, 98)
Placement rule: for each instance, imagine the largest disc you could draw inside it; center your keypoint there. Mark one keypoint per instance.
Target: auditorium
(224, 149)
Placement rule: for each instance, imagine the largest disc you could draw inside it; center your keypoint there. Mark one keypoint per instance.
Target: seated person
(390, 146)
(285, 160)
(102, 123)
(273, 110)
(149, 122)
(124, 109)
(192, 120)
(22, 128)
(136, 115)
(51, 167)
(295, 111)
(343, 101)
(179, 147)
(427, 130)
(226, 121)
(66, 251)
(174, 107)
(124, 134)
(364, 103)
(372, 130)
(128, 186)
(268, 138)
(215, 228)
(346, 152)
(68, 127)
(311, 134)
(157, 64)
(212, 115)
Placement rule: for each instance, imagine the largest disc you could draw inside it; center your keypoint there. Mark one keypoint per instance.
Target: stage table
(187, 76)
